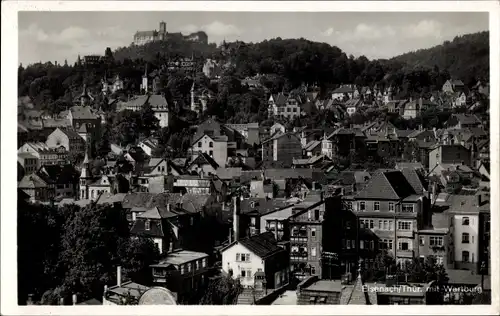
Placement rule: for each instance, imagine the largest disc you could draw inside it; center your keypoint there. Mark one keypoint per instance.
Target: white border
(8, 148)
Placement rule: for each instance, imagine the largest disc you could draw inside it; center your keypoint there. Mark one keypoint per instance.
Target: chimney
(236, 218)
(74, 299)
(119, 276)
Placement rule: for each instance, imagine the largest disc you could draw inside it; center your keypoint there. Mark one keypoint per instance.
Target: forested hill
(466, 57)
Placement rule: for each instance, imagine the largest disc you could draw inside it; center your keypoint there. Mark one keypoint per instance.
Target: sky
(56, 36)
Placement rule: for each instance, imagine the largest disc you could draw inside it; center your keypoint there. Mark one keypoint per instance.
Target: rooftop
(325, 286)
(180, 257)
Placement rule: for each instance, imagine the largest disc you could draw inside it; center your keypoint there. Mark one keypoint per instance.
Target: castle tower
(85, 178)
(326, 146)
(163, 27)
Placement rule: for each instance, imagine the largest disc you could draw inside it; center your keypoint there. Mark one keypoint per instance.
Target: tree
(148, 120)
(222, 290)
(103, 145)
(38, 264)
(126, 127)
(137, 255)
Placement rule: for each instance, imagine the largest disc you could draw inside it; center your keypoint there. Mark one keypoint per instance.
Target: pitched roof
(344, 89)
(31, 181)
(387, 185)
(261, 205)
(280, 98)
(456, 82)
(159, 212)
(190, 202)
(415, 179)
(82, 113)
(228, 173)
(467, 118)
(263, 245)
(204, 159)
(60, 174)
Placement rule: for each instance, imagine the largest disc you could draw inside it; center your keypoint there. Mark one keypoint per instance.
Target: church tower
(85, 178)
(326, 147)
(194, 105)
(144, 84)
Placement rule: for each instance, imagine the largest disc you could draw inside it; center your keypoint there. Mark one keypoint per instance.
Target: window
(199, 144)
(348, 244)
(407, 208)
(465, 221)
(380, 223)
(313, 232)
(316, 215)
(362, 206)
(183, 269)
(361, 244)
(204, 262)
(211, 144)
(211, 152)
(313, 252)
(465, 238)
(386, 225)
(422, 240)
(465, 256)
(404, 225)
(390, 225)
(385, 244)
(436, 241)
(243, 257)
(246, 273)
(189, 266)
(403, 245)
(197, 264)
(147, 225)
(313, 270)
(376, 206)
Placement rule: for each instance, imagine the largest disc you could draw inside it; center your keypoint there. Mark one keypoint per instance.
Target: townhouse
(390, 209)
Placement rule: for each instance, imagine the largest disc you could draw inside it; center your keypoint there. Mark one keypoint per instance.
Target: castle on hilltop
(143, 37)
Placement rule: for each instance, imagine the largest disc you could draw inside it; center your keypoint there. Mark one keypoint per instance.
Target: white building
(255, 259)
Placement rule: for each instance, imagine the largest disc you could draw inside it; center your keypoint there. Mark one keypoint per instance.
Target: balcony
(298, 239)
(405, 233)
(297, 256)
(404, 253)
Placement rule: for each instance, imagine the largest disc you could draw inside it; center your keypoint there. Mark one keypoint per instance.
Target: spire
(85, 168)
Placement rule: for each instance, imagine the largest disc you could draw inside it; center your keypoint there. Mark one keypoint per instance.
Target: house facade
(69, 139)
(282, 147)
(448, 154)
(389, 208)
(255, 259)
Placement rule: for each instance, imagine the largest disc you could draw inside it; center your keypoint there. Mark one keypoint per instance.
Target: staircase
(248, 296)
